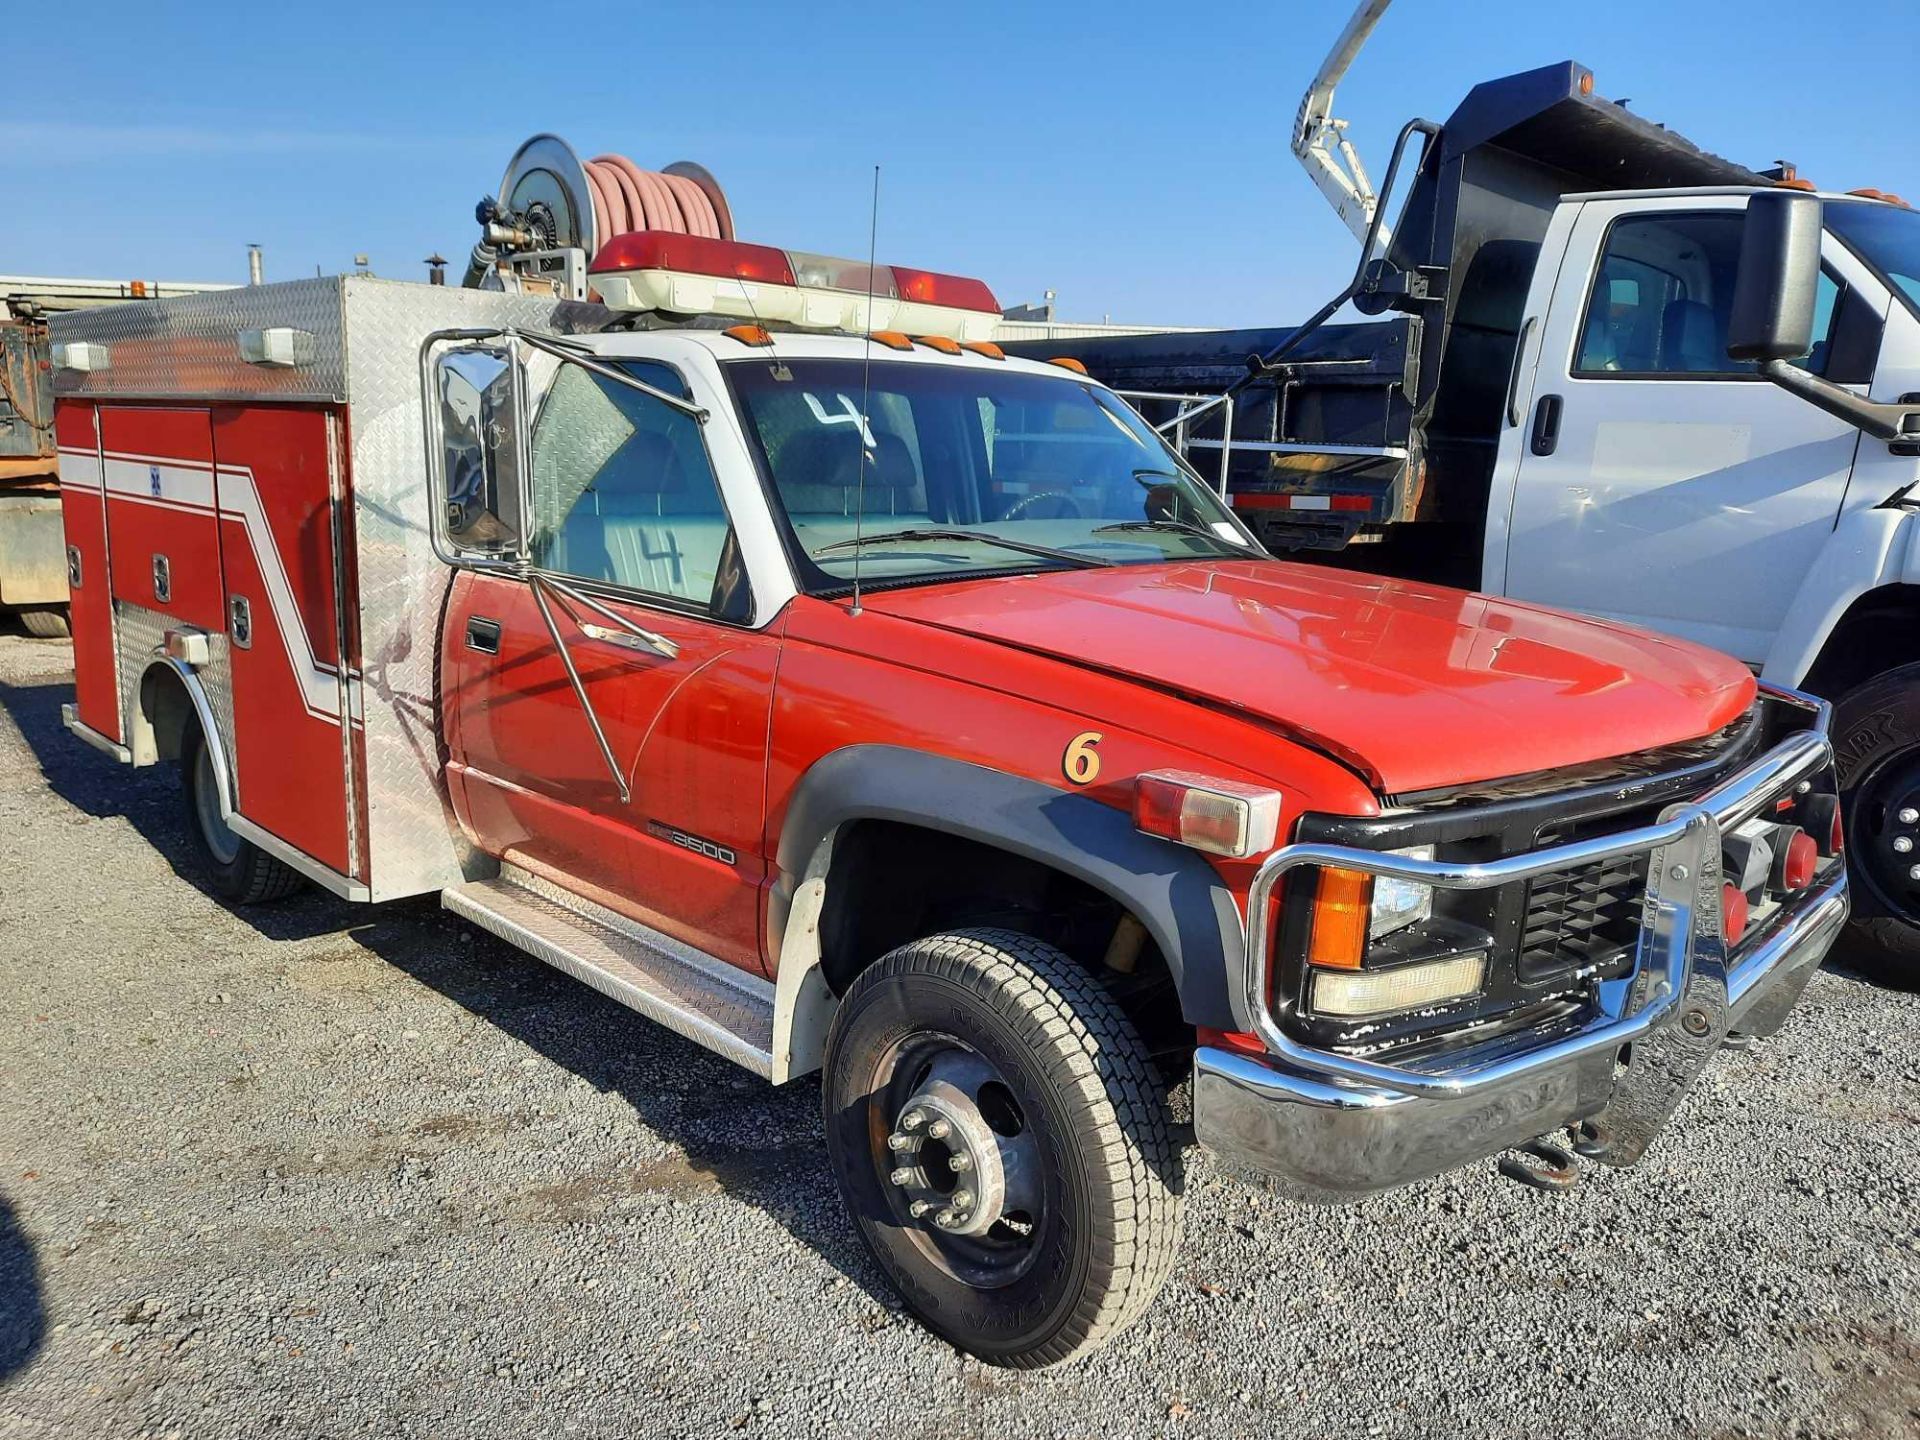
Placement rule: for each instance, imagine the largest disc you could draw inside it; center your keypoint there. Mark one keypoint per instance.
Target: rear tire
(50, 623)
(1876, 738)
(242, 872)
(1063, 1229)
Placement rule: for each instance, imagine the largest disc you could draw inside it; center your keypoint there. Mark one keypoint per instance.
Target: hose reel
(555, 211)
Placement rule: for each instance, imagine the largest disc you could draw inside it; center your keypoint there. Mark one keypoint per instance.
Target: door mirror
(480, 472)
(1779, 278)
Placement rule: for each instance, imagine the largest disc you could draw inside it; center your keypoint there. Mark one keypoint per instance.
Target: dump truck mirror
(1779, 277)
(480, 471)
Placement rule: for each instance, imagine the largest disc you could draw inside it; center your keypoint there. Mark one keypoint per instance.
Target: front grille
(1587, 916)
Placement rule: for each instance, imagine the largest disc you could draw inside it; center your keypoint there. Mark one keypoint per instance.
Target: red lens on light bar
(693, 255)
(957, 292)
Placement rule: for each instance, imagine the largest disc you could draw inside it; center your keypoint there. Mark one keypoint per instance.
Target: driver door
(1659, 482)
(625, 521)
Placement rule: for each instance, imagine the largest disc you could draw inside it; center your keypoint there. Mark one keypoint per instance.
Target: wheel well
(1880, 630)
(891, 882)
(167, 709)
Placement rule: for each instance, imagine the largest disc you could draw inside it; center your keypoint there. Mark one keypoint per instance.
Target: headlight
(1400, 903)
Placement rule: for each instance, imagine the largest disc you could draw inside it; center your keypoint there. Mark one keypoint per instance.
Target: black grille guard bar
(1683, 877)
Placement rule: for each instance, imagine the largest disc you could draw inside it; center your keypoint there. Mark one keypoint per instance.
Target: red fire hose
(625, 197)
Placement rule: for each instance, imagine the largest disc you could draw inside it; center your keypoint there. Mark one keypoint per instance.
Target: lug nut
(1914, 873)
(962, 1199)
(1902, 844)
(939, 1129)
(919, 1208)
(946, 1219)
(902, 1176)
(1907, 815)
(898, 1141)
(960, 1164)
(912, 1120)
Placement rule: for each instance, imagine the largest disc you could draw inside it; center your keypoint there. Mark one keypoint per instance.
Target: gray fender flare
(1176, 894)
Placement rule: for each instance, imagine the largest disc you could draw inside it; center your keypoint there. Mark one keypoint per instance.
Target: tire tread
(1096, 1060)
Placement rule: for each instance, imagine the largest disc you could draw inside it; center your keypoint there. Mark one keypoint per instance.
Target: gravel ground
(318, 1170)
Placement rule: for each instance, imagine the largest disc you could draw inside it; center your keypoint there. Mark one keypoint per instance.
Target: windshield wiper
(894, 537)
(1188, 527)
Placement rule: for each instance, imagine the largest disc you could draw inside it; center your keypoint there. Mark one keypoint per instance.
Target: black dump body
(1398, 419)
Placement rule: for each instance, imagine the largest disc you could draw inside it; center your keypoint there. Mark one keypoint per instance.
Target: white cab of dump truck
(1645, 476)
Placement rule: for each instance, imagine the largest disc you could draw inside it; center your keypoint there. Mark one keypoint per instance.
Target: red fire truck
(740, 632)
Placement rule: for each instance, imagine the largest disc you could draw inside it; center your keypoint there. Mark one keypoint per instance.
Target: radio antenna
(778, 367)
(866, 388)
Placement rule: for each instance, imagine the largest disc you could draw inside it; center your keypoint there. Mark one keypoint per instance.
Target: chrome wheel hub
(948, 1166)
(960, 1159)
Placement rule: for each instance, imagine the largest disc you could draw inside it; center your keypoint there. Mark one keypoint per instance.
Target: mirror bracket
(1899, 423)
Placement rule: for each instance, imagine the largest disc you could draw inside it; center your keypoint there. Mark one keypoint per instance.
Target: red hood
(1418, 686)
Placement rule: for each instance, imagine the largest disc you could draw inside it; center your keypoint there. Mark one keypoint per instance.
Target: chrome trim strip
(70, 717)
(321, 875)
(1685, 845)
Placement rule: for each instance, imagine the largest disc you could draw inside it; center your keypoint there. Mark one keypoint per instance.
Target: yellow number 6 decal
(1080, 762)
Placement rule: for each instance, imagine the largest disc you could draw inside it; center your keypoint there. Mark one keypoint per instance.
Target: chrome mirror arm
(538, 584)
(635, 637)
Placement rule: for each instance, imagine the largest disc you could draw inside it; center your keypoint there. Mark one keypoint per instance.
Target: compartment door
(83, 510)
(163, 545)
(279, 489)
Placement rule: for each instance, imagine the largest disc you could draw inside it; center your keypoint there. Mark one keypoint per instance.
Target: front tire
(242, 872)
(1876, 738)
(1003, 1142)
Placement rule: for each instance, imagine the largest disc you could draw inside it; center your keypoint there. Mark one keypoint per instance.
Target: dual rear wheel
(242, 872)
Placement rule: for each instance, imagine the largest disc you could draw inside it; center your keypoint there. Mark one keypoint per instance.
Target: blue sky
(1133, 158)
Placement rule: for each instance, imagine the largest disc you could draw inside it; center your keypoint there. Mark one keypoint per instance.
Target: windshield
(1886, 237)
(967, 469)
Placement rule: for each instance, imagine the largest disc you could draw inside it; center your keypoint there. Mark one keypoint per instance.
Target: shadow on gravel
(23, 1316)
(760, 1144)
(150, 801)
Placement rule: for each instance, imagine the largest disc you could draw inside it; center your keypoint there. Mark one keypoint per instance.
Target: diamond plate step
(706, 1000)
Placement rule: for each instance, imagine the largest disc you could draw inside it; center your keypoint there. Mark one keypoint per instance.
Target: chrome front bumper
(1332, 1126)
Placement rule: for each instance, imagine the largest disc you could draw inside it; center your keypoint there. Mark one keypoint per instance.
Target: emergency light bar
(695, 275)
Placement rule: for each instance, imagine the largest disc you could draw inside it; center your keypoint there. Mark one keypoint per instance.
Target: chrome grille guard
(1680, 927)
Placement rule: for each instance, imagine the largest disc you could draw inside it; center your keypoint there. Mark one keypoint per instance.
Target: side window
(1662, 296)
(623, 491)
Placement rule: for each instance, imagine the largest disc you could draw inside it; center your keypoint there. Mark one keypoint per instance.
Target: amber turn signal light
(1342, 912)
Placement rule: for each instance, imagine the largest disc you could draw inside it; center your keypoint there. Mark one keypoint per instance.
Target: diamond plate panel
(692, 994)
(216, 678)
(140, 637)
(187, 347)
(413, 842)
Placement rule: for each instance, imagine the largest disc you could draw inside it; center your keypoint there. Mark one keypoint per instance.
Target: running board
(703, 999)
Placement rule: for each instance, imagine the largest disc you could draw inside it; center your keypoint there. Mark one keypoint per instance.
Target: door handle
(1546, 425)
(483, 635)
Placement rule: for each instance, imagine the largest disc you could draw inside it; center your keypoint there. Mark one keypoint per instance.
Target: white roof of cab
(800, 345)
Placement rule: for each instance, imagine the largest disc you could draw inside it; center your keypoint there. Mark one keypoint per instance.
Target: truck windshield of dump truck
(969, 469)
(1887, 237)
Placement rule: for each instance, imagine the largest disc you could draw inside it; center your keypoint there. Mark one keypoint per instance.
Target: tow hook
(1543, 1164)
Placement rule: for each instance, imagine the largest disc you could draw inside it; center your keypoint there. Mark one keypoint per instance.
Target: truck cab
(1659, 481)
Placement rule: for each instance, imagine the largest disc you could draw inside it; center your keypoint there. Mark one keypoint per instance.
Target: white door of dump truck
(1647, 477)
